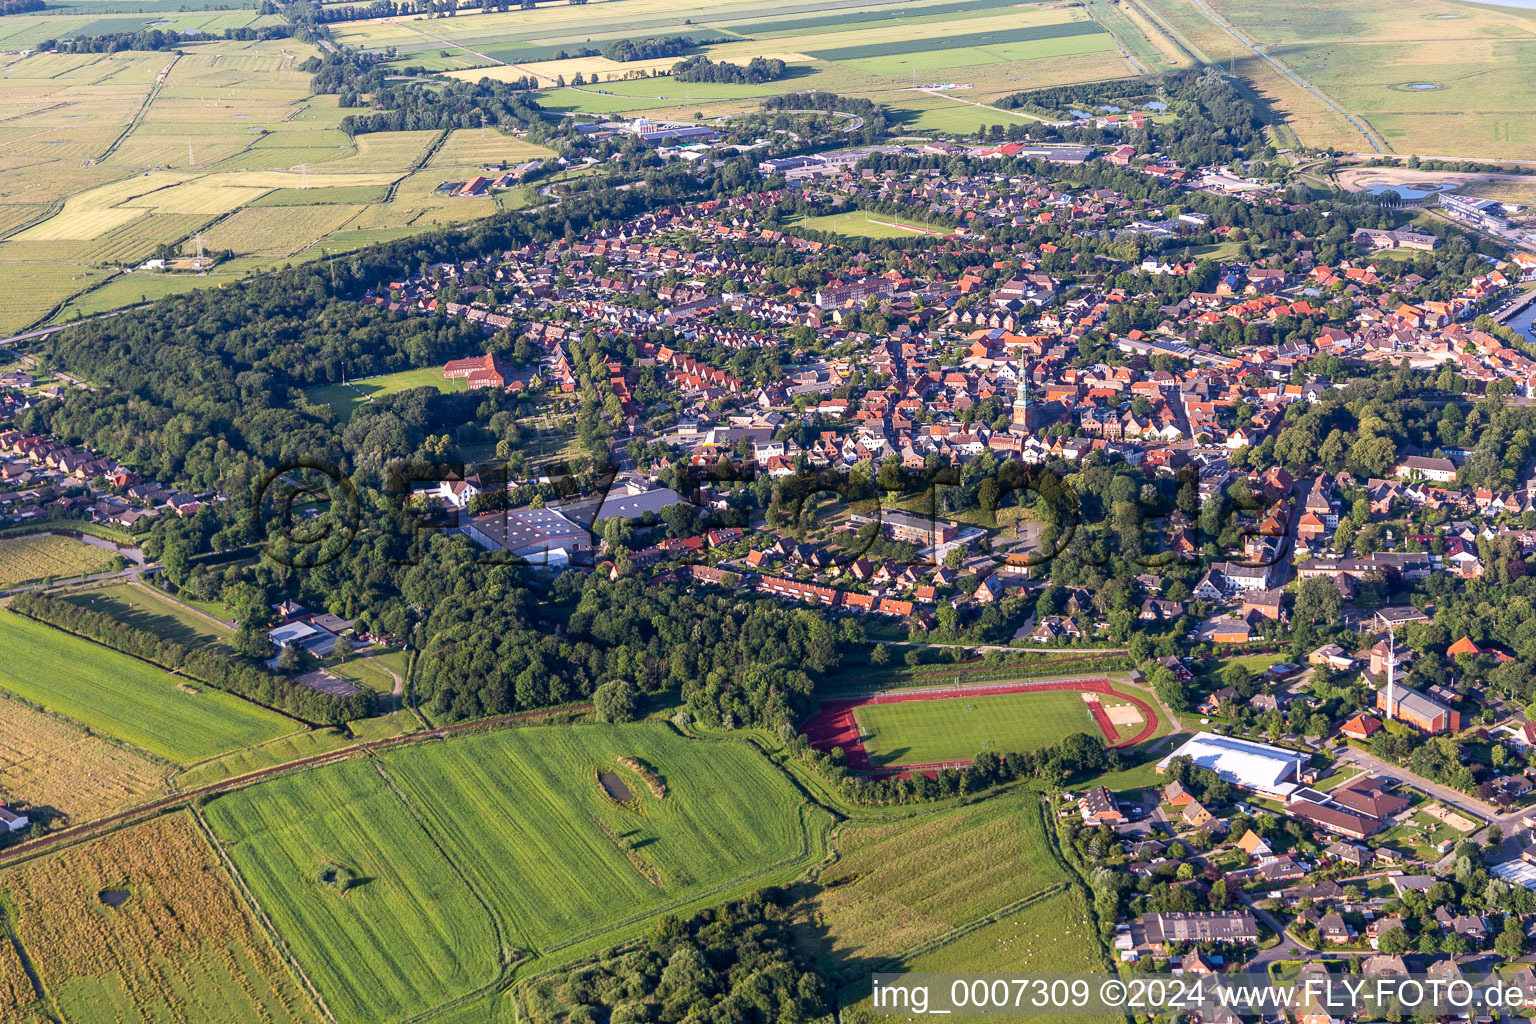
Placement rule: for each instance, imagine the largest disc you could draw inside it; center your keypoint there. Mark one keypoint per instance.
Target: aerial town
(715, 569)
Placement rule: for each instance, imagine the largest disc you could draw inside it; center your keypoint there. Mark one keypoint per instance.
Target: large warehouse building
(1257, 767)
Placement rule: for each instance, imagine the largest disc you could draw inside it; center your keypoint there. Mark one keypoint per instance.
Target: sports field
(933, 731)
(178, 946)
(25, 559)
(126, 698)
(858, 224)
(346, 398)
(525, 851)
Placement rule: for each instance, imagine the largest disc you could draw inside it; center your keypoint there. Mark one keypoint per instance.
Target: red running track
(834, 724)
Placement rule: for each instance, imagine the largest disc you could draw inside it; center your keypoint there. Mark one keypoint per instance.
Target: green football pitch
(957, 729)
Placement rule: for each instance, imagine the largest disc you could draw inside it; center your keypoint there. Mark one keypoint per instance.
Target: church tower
(1022, 413)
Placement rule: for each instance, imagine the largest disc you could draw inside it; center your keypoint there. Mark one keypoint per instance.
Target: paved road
(130, 573)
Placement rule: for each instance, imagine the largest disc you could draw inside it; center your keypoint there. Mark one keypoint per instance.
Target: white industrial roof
(1255, 766)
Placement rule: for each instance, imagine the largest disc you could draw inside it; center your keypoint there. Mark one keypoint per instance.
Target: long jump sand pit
(1444, 814)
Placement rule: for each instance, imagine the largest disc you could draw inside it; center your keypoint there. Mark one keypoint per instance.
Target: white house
(12, 821)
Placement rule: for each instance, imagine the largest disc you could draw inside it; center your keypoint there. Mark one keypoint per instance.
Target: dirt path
(226, 623)
(984, 106)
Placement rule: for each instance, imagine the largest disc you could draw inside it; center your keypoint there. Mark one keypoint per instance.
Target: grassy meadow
(346, 398)
(120, 696)
(144, 607)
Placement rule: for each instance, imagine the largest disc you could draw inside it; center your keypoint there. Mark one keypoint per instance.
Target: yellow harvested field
(80, 219)
(46, 763)
(203, 196)
(295, 179)
(24, 559)
(144, 924)
(277, 230)
(604, 68)
(471, 147)
(32, 290)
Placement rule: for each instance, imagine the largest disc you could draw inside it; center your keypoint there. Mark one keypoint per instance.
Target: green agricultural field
(408, 933)
(960, 40)
(25, 559)
(499, 841)
(929, 731)
(901, 885)
(345, 398)
(562, 862)
(1053, 935)
(110, 156)
(126, 698)
(145, 608)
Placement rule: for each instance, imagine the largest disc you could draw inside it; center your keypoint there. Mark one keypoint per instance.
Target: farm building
(1258, 767)
(12, 821)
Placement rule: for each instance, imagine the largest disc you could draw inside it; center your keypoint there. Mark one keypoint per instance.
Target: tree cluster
(700, 68)
(738, 963)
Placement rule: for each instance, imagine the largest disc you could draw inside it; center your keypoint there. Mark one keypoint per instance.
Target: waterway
(1524, 320)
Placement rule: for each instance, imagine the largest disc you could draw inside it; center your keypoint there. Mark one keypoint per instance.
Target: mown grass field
(928, 731)
(286, 748)
(345, 398)
(499, 841)
(53, 766)
(26, 559)
(143, 607)
(1051, 936)
(181, 947)
(410, 934)
(728, 814)
(126, 698)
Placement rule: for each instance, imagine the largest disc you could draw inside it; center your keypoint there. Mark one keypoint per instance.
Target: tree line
(155, 39)
(1077, 757)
